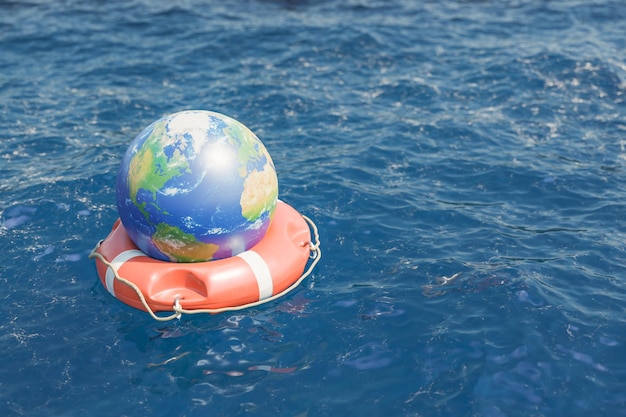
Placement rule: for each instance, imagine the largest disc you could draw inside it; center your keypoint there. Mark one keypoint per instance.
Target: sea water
(464, 162)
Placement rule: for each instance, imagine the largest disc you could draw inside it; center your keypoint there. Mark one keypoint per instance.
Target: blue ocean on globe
(196, 186)
(464, 162)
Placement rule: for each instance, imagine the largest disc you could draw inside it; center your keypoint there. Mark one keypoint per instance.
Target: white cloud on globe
(258, 223)
(192, 123)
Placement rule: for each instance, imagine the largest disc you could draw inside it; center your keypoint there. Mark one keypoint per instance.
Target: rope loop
(314, 244)
(179, 310)
(177, 307)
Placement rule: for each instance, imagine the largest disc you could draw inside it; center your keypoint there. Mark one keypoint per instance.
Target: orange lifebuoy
(266, 271)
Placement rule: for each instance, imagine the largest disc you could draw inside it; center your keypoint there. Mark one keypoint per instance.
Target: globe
(196, 186)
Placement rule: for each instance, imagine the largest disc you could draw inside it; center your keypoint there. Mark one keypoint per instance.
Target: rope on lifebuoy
(316, 254)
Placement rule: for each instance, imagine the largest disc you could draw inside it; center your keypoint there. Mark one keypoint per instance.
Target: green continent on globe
(260, 191)
(181, 246)
(146, 167)
(245, 145)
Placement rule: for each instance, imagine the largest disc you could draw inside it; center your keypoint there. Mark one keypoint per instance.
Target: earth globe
(196, 186)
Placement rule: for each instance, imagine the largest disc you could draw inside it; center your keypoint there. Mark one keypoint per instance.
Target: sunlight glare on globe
(218, 157)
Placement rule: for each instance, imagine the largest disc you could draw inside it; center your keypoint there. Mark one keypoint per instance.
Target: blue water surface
(465, 162)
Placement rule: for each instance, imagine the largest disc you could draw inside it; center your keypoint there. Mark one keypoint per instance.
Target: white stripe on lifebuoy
(261, 273)
(116, 264)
